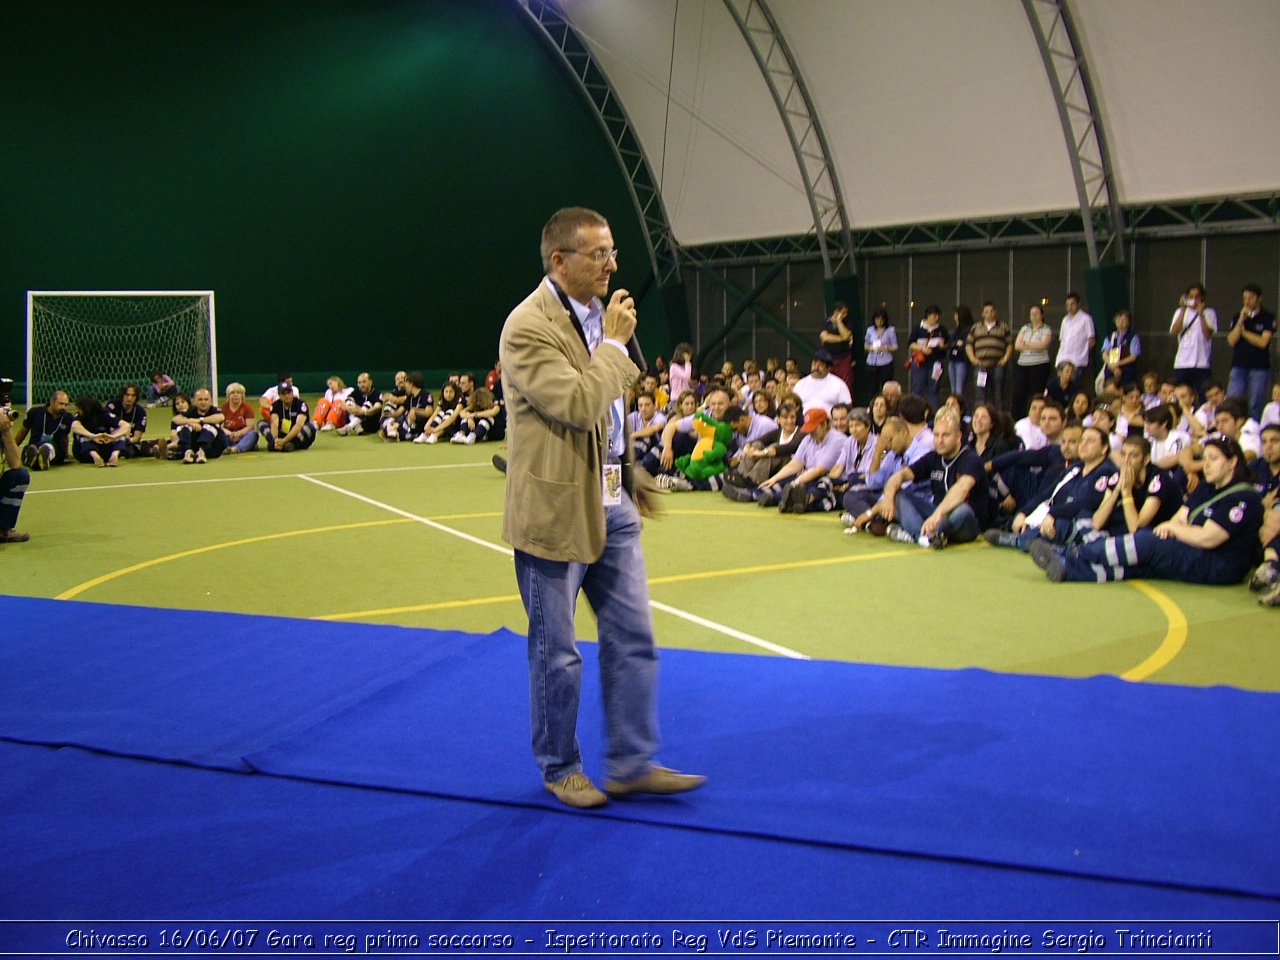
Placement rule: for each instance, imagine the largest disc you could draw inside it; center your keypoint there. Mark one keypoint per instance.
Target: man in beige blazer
(572, 513)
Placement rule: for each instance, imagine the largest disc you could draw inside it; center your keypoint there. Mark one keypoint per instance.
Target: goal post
(94, 341)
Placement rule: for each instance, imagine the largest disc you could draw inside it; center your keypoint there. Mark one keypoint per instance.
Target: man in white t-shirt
(1076, 337)
(1028, 428)
(1193, 328)
(820, 389)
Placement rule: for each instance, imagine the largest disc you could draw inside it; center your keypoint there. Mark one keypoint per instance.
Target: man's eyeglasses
(599, 256)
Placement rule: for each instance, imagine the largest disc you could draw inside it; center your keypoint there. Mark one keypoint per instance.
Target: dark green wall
(362, 183)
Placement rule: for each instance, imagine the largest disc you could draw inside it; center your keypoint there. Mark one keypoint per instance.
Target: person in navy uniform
(1250, 339)
(363, 406)
(98, 435)
(289, 427)
(1213, 539)
(200, 436)
(130, 411)
(1266, 477)
(1139, 495)
(47, 432)
(14, 479)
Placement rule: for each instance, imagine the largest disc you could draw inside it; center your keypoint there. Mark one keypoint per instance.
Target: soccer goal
(94, 341)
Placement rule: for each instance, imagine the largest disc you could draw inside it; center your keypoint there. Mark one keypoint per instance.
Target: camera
(6, 397)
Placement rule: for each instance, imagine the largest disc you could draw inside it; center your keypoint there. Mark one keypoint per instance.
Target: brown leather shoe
(576, 790)
(659, 780)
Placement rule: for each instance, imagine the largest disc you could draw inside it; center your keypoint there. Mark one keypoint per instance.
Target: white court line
(269, 476)
(729, 631)
(505, 551)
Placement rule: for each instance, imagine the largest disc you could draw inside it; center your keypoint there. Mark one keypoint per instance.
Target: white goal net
(93, 342)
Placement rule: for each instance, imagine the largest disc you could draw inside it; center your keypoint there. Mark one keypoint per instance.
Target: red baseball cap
(813, 419)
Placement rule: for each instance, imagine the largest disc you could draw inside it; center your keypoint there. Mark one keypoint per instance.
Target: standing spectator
(1031, 372)
(838, 339)
(1120, 351)
(958, 352)
(928, 351)
(1193, 328)
(820, 388)
(1076, 337)
(680, 373)
(238, 421)
(1250, 338)
(990, 347)
(881, 342)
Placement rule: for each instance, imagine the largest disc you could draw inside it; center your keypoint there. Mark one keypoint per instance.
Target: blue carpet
(1099, 778)
(87, 835)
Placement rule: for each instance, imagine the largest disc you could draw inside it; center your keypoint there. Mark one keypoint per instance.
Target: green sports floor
(361, 530)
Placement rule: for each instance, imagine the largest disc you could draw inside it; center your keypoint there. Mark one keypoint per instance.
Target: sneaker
(327, 427)
(423, 438)
(189, 457)
(657, 780)
(499, 463)
(1000, 538)
(898, 533)
(1049, 559)
(1267, 574)
(576, 790)
(672, 482)
(765, 497)
(431, 437)
(14, 536)
(848, 521)
(45, 456)
(391, 431)
(1272, 597)
(937, 542)
(30, 456)
(681, 483)
(200, 457)
(355, 428)
(459, 437)
(795, 500)
(343, 430)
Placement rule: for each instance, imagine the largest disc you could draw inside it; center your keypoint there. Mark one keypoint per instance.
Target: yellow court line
(1175, 637)
(124, 571)
(653, 582)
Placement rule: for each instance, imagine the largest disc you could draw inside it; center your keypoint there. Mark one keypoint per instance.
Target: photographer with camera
(14, 477)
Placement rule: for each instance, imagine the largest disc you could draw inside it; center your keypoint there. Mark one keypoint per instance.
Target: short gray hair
(561, 231)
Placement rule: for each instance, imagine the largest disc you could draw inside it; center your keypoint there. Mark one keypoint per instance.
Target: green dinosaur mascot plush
(708, 455)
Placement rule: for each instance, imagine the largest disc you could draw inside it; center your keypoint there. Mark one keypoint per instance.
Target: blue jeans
(1252, 385)
(246, 443)
(961, 524)
(958, 374)
(616, 587)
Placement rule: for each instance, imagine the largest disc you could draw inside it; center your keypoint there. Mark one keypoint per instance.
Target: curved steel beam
(782, 76)
(1064, 62)
(555, 29)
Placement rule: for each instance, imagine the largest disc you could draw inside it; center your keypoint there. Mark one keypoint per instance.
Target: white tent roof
(938, 109)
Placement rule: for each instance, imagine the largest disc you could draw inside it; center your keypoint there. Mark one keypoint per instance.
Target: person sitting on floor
(444, 422)
(795, 488)
(330, 412)
(476, 421)
(130, 411)
(98, 436)
(679, 438)
(363, 407)
(161, 390)
(954, 507)
(14, 480)
(415, 413)
(289, 428)
(645, 424)
(200, 436)
(47, 432)
(1265, 472)
(1067, 513)
(1211, 540)
(1139, 495)
(238, 421)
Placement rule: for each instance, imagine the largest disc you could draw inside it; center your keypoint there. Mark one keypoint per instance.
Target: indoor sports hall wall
(362, 182)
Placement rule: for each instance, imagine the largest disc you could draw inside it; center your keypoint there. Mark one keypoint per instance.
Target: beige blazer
(558, 398)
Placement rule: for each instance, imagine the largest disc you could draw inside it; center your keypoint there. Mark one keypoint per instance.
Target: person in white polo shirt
(1193, 327)
(1076, 337)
